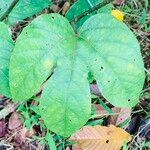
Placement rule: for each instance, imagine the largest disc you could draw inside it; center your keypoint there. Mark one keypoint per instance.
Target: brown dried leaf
(101, 111)
(3, 128)
(118, 2)
(14, 121)
(1, 96)
(55, 8)
(23, 134)
(123, 115)
(27, 132)
(65, 8)
(75, 148)
(100, 137)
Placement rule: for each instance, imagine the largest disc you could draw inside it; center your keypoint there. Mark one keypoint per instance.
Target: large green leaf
(81, 6)
(103, 46)
(6, 46)
(23, 9)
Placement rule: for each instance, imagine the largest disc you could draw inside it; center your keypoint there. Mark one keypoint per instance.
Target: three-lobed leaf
(6, 47)
(49, 46)
(23, 9)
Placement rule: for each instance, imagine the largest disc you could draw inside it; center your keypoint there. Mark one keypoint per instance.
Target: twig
(12, 5)
(102, 4)
(8, 109)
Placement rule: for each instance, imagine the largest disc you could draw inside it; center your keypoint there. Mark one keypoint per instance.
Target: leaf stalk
(96, 7)
(10, 8)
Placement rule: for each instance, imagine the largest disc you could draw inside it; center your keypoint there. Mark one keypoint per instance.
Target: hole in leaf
(107, 141)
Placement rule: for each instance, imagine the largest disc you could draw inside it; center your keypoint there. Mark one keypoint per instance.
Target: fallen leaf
(1, 96)
(3, 129)
(118, 2)
(75, 148)
(14, 121)
(55, 8)
(65, 8)
(134, 124)
(100, 111)
(100, 137)
(27, 132)
(23, 134)
(123, 114)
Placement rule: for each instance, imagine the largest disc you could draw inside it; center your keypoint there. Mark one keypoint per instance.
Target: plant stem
(102, 4)
(10, 8)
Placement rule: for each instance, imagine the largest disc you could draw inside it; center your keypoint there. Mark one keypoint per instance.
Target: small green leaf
(81, 6)
(105, 106)
(95, 122)
(23, 9)
(104, 46)
(6, 47)
(143, 17)
(147, 144)
(50, 141)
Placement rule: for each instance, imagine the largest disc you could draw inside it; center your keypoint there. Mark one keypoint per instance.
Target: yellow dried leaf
(117, 14)
(100, 137)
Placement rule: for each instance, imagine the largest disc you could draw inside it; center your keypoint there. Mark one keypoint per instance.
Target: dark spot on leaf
(108, 81)
(70, 120)
(52, 17)
(128, 100)
(95, 59)
(107, 141)
(101, 68)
